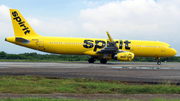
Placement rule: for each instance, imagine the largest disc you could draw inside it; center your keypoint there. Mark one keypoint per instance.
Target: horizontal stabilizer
(25, 41)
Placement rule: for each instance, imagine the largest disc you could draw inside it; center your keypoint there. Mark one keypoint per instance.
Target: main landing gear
(103, 61)
(159, 61)
(91, 60)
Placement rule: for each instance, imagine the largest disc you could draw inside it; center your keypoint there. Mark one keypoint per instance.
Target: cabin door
(162, 48)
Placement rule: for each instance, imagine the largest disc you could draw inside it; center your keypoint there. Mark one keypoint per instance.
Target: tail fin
(20, 25)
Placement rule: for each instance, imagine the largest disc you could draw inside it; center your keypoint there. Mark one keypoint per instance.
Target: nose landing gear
(159, 61)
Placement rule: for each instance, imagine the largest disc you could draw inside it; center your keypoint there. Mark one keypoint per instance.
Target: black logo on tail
(20, 22)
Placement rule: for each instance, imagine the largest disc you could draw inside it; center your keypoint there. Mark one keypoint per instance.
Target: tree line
(57, 57)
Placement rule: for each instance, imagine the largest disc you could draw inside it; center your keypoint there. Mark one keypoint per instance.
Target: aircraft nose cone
(175, 52)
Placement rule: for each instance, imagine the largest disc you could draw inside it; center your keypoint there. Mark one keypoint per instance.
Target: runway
(122, 71)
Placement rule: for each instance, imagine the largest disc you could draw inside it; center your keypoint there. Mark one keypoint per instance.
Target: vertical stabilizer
(20, 25)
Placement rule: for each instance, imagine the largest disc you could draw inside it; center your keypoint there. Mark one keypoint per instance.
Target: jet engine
(124, 56)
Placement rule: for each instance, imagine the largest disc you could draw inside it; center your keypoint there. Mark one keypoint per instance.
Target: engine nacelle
(124, 56)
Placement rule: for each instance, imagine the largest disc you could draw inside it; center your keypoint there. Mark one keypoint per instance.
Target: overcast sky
(124, 19)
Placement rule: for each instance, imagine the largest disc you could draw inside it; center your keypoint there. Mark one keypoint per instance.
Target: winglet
(109, 37)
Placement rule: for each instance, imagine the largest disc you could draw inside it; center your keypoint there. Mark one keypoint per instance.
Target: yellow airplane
(102, 49)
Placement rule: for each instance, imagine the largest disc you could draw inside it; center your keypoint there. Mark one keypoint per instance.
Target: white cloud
(4, 13)
(52, 26)
(5, 24)
(134, 17)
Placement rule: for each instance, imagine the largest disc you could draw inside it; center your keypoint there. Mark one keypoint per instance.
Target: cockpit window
(170, 47)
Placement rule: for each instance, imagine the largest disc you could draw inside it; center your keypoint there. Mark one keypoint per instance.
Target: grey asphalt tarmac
(122, 71)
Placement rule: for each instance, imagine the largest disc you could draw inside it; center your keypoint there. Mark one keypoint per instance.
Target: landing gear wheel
(104, 61)
(159, 62)
(91, 60)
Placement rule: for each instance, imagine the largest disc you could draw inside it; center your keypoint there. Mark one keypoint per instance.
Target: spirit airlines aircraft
(102, 49)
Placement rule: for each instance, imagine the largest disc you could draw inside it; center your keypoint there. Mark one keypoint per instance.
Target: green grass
(51, 99)
(47, 85)
(164, 100)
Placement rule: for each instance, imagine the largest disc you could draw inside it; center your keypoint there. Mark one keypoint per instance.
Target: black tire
(91, 60)
(159, 62)
(103, 61)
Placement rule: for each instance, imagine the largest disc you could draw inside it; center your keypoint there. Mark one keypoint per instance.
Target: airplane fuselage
(89, 46)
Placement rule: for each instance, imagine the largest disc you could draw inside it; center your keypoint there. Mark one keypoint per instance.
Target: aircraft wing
(111, 47)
